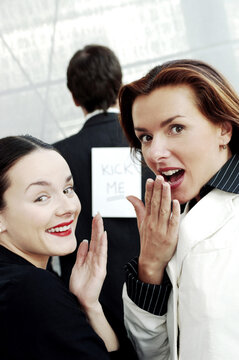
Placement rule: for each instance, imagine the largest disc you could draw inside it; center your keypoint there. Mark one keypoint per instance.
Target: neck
(38, 260)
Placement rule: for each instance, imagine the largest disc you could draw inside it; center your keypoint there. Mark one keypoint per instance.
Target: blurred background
(37, 39)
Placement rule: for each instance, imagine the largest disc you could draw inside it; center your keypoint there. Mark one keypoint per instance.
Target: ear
(225, 132)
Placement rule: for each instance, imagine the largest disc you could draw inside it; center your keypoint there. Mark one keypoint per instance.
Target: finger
(101, 254)
(100, 257)
(156, 197)
(97, 231)
(174, 220)
(165, 207)
(138, 207)
(82, 252)
(148, 195)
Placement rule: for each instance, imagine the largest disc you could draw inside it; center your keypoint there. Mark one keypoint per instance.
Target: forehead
(41, 164)
(166, 95)
(166, 99)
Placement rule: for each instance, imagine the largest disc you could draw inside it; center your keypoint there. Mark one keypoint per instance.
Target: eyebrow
(163, 123)
(45, 183)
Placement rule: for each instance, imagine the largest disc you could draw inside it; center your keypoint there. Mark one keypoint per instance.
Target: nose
(66, 206)
(158, 149)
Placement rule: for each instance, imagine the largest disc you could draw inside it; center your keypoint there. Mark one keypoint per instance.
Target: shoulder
(32, 273)
(40, 295)
(73, 147)
(65, 143)
(44, 316)
(225, 200)
(38, 286)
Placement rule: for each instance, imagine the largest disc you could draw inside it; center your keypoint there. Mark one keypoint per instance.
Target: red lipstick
(62, 229)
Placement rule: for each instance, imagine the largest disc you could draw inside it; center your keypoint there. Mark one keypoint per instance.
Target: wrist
(151, 273)
(93, 309)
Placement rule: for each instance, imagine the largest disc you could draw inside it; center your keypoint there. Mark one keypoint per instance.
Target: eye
(144, 138)
(176, 129)
(69, 190)
(41, 198)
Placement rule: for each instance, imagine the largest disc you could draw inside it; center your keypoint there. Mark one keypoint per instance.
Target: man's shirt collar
(100, 111)
(226, 179)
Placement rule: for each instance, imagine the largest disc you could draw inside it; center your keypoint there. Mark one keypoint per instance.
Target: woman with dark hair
(181, 298)
(40, 317)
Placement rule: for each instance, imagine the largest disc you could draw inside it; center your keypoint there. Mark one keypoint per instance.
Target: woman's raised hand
(158, 225)
(89, 271)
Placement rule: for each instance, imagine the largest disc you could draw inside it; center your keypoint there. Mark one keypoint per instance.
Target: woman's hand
(89, 271)
(158, 228)
(87, 278)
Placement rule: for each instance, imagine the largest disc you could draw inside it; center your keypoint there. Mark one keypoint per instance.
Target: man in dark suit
(94, 79)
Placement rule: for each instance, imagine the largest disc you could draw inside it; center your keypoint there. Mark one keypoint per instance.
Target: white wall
(38, 37)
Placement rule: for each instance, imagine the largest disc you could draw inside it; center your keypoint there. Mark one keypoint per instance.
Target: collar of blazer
(114, 110)
(207, 217)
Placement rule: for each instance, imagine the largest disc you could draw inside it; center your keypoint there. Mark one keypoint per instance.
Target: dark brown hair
(215, 98)
(94, 77)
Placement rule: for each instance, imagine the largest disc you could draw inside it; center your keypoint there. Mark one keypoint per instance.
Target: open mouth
(173, 176)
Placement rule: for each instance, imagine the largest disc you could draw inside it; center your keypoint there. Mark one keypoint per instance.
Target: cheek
(149, 159)
(39, 219)
(145, 154)
(205, 138)
(77, 205)
(151, 164)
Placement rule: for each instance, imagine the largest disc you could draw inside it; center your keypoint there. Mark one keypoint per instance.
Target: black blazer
(101, 130)
(40, 318)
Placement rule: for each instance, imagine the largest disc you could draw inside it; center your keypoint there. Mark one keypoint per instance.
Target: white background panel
(37, 39)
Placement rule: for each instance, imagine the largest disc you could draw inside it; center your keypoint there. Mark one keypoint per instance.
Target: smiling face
(42, 208)
(177, 141)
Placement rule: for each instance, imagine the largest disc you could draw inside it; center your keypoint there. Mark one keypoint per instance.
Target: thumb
(138, 207)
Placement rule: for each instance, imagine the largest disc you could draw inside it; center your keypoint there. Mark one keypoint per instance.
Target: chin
(182, 198)
(69, 248)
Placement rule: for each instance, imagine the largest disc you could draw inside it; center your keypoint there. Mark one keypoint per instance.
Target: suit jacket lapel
(203, 220)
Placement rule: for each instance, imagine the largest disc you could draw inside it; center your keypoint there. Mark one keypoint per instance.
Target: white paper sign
(114, 176)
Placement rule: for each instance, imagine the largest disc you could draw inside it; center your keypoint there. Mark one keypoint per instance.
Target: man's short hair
(94, 77)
